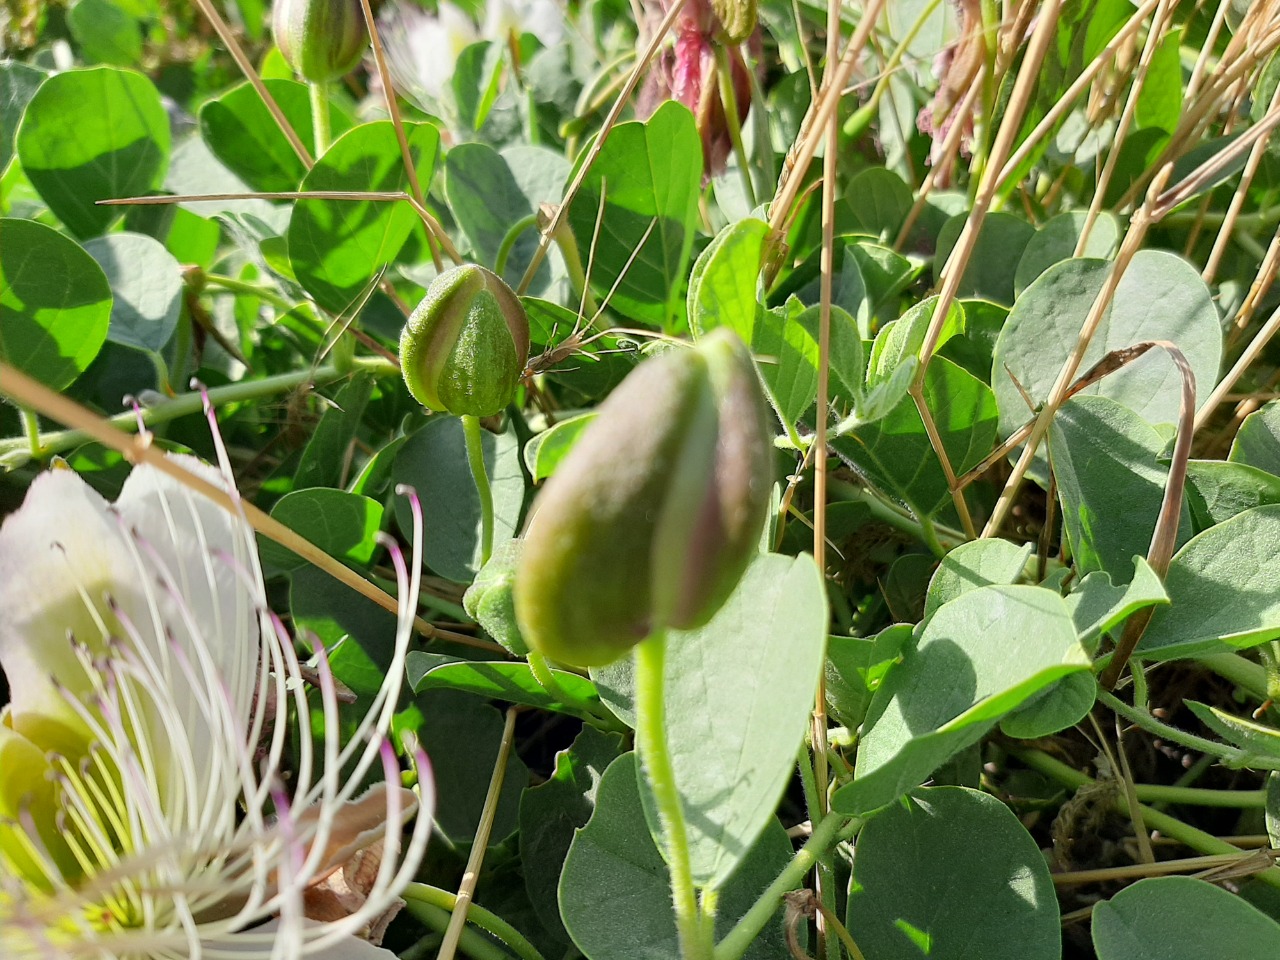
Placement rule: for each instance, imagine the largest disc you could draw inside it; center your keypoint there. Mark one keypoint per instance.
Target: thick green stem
(472, 944)
(235, 285)
(1146, 721)
(474, 434)
(320, 116)
(745, 931)
(31, 423)
(1243, 673)
(15, 452)
(651, 738)
(546, 678)
(509, 241)
(421, 893)
(728, 95)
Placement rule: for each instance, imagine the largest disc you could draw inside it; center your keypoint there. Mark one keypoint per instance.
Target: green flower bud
(320, 39)
(651, 519)
(465, 346)
(737, 19)
(489, 599)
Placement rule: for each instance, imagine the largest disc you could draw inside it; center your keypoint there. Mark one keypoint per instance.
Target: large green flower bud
(464, 348)
(320, 39)
(653, 516)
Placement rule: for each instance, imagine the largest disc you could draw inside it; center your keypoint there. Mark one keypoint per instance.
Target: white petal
(60, 541)
(198, 545)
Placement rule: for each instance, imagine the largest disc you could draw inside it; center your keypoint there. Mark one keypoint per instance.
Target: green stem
(320, 116)
(546, 678)
(1149, 723)
(182, 340)
(936, 537)
(14, 452)
(651, 738)
(1172, 827)
(31, 423)
(1199, 796)
(509, 242)
(234, 285)
(1243, 673)
(809, 783)
(729, 97)
(745, 931)
(862, 117)
(484, 919)
(474, 434)
(1269, 654)
(471, 943)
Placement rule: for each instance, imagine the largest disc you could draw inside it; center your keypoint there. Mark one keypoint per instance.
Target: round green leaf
(876, 202)
(543, 453)
(1224, 588)
(950, 873)
(649, 177)
(499, 680)
(1181, 918)
(965, 674)
(895, 452)
(18, 84)
(1056, 241)
(722, 287)
(1061, 705)
(1257, 443)
(337, 246)
(989, 274)
(243, 134)
(341, 524)
(105, 33)
(615, 895)
(146, 282)
(1110, 482)
(977, 563)
(552, 812)
(434, 462)
(55, 303)
(764, 650)
(90, 135)
(1160, 297)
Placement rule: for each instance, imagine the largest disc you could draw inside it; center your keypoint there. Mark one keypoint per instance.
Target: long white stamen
(188, 699)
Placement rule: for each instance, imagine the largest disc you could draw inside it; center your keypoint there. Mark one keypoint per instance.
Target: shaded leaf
(648, 173)
(615, 896)
(90, 135)
(967, 671)
(950, 873)
(55, 303)
(1181, 918)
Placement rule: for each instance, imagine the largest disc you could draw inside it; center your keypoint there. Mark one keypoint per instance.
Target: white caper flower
(161, 795)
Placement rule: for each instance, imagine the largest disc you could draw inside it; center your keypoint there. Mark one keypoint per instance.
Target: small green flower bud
(464, 348)
(655, 513)
(320, 39)
(737, 19)
(490, 601)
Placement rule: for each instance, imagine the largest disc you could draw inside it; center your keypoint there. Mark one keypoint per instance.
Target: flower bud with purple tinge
(653, 516)
(320, 39)
(464, 348)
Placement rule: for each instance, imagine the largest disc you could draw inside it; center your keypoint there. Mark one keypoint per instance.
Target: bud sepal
(321, 39)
